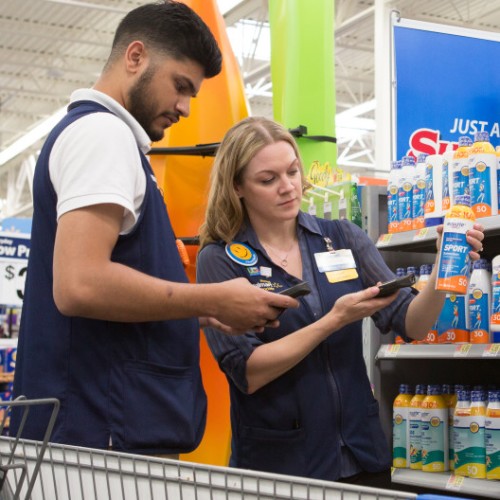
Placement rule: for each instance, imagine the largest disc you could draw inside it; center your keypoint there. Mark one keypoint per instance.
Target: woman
(301, 402)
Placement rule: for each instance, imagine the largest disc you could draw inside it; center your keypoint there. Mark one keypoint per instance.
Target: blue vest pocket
(272, 450)
(152, 408)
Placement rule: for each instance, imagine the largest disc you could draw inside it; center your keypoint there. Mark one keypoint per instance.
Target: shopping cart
(46, 471)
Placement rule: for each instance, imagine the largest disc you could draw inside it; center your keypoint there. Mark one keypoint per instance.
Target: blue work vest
(297, 423)
(138, 383)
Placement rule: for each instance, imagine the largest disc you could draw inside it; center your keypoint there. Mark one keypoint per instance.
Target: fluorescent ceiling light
(32, 137)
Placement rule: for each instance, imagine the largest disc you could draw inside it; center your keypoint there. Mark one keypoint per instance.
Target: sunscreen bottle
(480, 303)
(453, 263)
(483, 176)
(460, 169)
(495, 300)
(419, 192)
(492, 435)
(433, 213)
(477, 449)
(423, 278)
(400, 428)
(415, 423)
(461, 422)
(392, 197)
(434, 431)
(405, 193)
(452, 403)
(445, 177)
(450, 400)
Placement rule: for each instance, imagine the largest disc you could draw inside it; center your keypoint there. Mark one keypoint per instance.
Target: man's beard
(142, 107)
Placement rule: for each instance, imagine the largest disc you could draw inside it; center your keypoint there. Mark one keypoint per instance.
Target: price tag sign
(391, 350)
(384, 239)
(462, 350)
(491, 350)
(14, 253)
(421, 234)
(455, 483)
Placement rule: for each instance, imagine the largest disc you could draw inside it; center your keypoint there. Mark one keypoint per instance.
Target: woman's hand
(475, 238)
(355, 306)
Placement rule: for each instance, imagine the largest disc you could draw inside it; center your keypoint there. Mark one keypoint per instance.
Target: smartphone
(298, 290)
(390, 287)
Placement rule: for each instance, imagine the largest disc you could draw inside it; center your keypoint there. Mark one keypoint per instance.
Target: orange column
(184, 180)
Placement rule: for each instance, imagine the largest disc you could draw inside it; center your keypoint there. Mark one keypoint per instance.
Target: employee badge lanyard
(338, 265)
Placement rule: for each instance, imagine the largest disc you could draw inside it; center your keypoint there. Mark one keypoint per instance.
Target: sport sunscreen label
(453, 264)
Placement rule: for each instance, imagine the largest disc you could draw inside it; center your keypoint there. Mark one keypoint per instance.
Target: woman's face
(271, 186)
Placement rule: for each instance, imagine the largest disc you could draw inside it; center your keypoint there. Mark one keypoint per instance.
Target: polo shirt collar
(141, 137)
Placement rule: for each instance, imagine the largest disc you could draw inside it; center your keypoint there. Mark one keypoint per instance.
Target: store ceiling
(50, 47)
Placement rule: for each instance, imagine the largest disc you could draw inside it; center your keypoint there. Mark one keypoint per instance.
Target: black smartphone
(298, 290)
(390, 287)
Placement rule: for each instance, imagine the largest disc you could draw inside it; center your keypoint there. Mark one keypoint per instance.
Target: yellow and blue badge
(241, 254)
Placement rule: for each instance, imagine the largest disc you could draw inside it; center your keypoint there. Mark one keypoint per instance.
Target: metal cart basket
(46, 471)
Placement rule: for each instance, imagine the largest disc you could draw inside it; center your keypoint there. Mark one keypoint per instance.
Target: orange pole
(184, 180)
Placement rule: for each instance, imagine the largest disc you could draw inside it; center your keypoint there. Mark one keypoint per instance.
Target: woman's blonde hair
(225, 212)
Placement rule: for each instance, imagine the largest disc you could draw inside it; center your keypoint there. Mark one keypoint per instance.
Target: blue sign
(447, 85)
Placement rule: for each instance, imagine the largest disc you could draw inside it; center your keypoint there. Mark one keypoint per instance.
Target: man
(108, 322)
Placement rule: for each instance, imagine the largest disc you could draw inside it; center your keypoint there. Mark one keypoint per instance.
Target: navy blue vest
(138, 383)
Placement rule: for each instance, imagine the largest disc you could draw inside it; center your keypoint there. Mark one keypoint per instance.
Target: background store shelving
(391, 364)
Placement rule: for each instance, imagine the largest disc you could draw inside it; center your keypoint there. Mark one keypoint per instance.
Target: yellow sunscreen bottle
(415, 423)
(434, 431)
(461, 423)
(400, 428)
(492, 435)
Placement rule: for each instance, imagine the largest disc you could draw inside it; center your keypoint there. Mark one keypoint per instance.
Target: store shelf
(439, 351)
(424, 239)
(448, 482)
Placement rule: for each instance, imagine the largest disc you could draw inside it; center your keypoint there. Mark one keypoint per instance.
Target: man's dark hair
(172, 28)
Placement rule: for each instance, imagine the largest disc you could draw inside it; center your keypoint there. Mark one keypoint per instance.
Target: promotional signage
(446, 86)
(14, 253)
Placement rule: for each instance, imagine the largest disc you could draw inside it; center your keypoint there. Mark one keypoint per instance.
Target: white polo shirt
(96, 160)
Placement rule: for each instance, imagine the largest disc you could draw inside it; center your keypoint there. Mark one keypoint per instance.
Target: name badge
(338, 265)
(335, 260)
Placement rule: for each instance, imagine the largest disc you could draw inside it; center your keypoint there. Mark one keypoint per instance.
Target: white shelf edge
(448, 482)
(429, 234)
(439, 351)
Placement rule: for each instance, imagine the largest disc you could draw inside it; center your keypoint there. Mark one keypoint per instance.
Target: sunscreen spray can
(461, 423)
(483, 176)
(435, 446)
(415, 423)
(480, 303)
(492, 435)
(495, 300)
(453, 263)
(400, 428)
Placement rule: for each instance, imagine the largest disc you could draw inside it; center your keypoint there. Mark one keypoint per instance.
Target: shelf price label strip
(462, 350)
(421, 234)
(455, 483)
(392, 350)
(384, 239)
(491, 350)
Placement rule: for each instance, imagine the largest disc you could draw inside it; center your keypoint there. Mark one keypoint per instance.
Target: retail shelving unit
(452, 363)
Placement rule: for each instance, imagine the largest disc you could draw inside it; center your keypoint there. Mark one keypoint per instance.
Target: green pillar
(303, 76)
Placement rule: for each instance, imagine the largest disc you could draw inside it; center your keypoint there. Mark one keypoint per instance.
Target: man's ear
(135, 56)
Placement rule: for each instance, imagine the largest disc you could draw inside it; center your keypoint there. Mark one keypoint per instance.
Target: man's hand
(245, 307)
